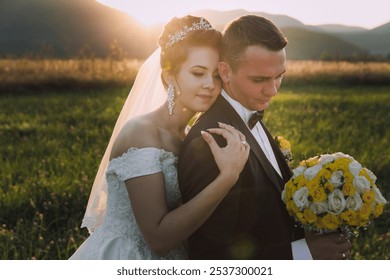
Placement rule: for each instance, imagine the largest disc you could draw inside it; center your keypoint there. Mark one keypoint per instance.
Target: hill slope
(69, 28)
(66, 27)
(305, 44)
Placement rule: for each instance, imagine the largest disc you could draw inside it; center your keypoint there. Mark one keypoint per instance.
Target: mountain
(339, 28)
(314, 42)
(306, 44)
(220, 19)
(67, 28)
(375, 41)
(383, 29)
(71, 28)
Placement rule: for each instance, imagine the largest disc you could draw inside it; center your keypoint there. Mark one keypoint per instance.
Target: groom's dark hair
(248, 31)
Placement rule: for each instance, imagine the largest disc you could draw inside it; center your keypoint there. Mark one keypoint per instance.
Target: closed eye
(197, 74)
(260, 80)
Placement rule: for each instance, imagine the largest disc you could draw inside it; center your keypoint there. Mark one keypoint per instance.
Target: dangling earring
(171, 99)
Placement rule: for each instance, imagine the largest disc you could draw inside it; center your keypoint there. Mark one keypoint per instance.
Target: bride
(135, 209)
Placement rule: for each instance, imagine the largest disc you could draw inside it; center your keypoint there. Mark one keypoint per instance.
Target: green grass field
(51, 143)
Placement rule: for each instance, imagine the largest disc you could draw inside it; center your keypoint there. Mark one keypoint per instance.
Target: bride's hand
(232, 158)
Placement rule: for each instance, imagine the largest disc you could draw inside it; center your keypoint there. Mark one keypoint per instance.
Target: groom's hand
(328, 246)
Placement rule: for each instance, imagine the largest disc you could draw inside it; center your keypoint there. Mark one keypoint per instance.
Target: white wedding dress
(119, 237)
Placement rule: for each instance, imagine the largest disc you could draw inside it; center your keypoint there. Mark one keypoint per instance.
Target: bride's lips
(205, 97)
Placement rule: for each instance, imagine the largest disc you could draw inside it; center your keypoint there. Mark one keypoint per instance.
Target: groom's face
(257, 78)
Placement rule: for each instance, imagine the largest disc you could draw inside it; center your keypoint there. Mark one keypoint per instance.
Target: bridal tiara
(181, 34)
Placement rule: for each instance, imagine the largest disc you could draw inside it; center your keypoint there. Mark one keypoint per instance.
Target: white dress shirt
(300, 250)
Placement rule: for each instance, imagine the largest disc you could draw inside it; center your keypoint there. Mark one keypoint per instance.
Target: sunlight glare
(145, 12)
(348, 12)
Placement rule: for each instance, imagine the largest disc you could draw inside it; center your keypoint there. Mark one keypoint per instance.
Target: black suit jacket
(251, 222)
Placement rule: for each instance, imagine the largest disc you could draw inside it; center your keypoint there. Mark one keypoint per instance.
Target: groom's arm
(196, 168)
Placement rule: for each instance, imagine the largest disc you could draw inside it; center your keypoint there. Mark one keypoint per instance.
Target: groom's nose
(271, 88)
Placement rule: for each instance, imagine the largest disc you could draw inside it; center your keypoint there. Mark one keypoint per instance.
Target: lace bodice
(140, 162)
(119, 221)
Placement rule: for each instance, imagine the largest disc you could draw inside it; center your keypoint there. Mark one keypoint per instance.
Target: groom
(251, 222)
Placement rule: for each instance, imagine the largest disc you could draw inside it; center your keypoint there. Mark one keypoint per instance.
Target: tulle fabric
(146, 95)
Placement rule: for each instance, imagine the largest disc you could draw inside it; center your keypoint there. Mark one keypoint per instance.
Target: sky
(364, 13)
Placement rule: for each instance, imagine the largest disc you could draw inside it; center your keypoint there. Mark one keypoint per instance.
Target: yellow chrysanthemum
(350, 217)
(348, 189)
(301, 218)
(309, 162)
(328, 187)
(317, 193)
(309, 216)
(300, 181)
(291, 207)
(378, 210)
(331, 167)
(368, 196)
(365, 211)
(348, 177)
(330, 221)
(283, 143)
(342, 163)
(290, 189)
(323, 173)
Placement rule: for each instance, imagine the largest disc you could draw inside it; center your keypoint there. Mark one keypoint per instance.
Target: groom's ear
(224, 71)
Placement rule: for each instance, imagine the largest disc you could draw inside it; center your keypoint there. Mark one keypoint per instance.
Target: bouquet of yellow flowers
(333, 192)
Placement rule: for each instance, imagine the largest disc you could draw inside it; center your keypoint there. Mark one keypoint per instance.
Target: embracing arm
(165, 230)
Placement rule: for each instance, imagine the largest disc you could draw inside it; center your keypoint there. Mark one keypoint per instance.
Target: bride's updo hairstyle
(179, 35)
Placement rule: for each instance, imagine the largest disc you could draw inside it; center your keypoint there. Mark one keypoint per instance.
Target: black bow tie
(256, 117)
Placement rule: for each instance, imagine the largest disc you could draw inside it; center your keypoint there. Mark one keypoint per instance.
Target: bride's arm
(164, 230)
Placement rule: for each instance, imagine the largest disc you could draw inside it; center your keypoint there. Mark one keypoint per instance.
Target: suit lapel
(284, 168)
(239, 124)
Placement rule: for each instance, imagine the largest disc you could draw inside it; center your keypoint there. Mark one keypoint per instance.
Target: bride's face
(198, 80)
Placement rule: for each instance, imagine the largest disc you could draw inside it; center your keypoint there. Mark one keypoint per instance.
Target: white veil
(146, 95)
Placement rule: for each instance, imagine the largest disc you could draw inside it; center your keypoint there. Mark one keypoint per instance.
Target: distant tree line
(116, 51)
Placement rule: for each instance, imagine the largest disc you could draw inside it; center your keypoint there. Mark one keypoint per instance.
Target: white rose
(354, 202)
(371, 175)
(319, 207)
(298, 171)
(378, 196)
(361, 184)
(336, 202)
(311, 172)
(324, 159)
(300, 198)
(283, 198)
(341, 155)
(355, 168)
(337, 178)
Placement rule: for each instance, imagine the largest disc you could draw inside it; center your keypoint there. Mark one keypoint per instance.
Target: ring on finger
(244, 142)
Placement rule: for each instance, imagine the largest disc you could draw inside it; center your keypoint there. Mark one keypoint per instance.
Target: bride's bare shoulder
(140, 132)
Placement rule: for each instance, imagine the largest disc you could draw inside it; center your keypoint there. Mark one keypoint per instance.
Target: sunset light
(367, 14)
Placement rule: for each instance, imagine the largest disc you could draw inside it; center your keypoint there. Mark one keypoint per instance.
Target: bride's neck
(177, 122)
